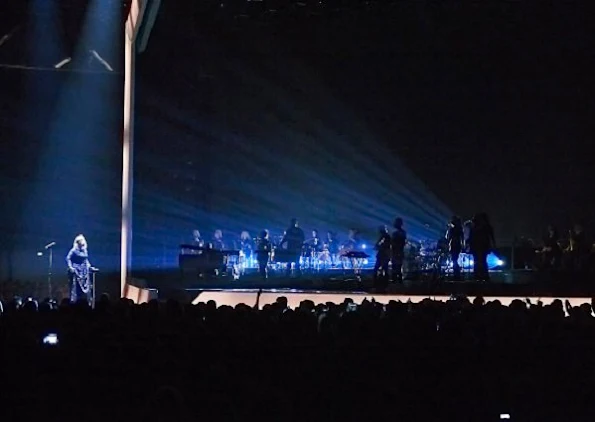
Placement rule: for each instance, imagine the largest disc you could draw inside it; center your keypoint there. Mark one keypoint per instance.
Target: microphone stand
(93, 271)
(50, 249)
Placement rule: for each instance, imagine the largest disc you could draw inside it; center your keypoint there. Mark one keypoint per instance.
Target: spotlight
(364, 246)
(499, 262)
(61, 64)
(39, 253)
(101, 60)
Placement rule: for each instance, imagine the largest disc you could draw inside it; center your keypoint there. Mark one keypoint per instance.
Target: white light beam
(7, 36)
(59, 65)
(101, 60)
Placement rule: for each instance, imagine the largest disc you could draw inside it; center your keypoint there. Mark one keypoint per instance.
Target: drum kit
(433, 257)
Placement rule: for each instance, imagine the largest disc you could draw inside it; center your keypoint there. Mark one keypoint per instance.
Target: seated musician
(351, 244)
(197, 240)
(314, 244)
(246, 244)
(217, 242)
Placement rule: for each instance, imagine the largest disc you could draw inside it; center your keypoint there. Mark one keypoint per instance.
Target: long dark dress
(78, 274)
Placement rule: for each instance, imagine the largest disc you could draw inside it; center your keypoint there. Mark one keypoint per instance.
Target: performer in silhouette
(383, 255)
(551, 253)
(263, 253)
(455, 240)
(580, 251)
(398, 242)
(294, 240)
(481, 242)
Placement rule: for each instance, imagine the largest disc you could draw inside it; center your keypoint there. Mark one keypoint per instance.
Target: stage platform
(329, 286)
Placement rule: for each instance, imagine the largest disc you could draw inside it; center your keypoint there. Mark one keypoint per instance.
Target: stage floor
(502, 284)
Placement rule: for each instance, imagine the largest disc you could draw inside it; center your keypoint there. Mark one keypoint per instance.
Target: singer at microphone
(79, 269)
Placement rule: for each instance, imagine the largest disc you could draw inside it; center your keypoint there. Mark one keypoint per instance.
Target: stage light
(494, 261)
(364, 246)
(101, 60)
(62, 63)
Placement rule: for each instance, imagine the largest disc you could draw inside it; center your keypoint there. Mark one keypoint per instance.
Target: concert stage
(338, 285)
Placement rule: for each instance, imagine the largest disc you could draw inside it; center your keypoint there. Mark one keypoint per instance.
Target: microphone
(49, 245)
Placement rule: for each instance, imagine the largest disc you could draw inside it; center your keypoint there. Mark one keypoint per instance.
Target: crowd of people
(453, 360)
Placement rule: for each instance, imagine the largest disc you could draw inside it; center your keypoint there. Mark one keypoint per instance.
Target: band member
(314, 243)
(383, 255)
(263, 253)
(398, 242)
(332, 246)
(481, 242)
(313, 249)
(455, 238)
(79, 270)
(467, 235)
(351, 243)
(246, 245)
(217, 242)
(579, 250)
(551, 253)
(294, 240)
(197, 240)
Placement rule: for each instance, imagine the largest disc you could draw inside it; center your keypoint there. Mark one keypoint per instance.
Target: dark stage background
(338, 116)
(349, 116)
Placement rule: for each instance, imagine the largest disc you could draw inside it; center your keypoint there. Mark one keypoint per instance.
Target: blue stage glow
(66, 113)
(494, 261)
(250, 168)
(466, 261)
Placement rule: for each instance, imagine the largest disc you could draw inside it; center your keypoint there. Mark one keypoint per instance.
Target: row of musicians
(247, 244)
